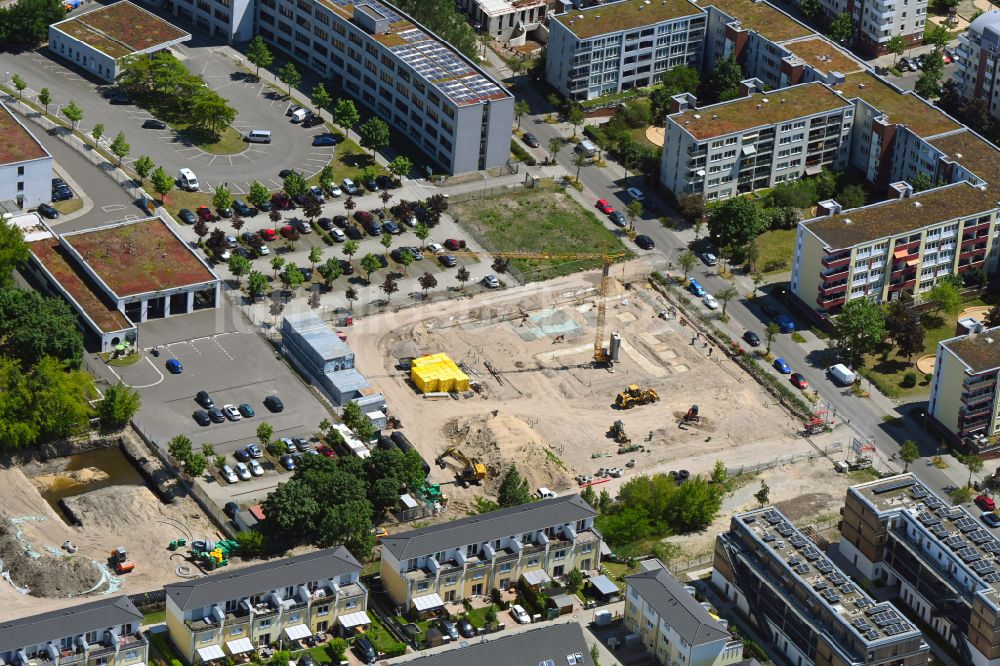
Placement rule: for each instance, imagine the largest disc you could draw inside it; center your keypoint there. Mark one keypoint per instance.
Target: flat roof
(899, 216)
(823, 55)
(18, 144)
(433, 59)
(138, 257)
(762, 18)
(904, 109)
(624, 15)
(54, 258)
(739, 115)
(499, 7)
(954, 528)
(979, 351)
(122, 28)
(972, 152)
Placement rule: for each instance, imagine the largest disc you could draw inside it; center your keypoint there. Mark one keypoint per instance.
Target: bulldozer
(473, 470)
(618, 431)
(120, 562)
(633, 395)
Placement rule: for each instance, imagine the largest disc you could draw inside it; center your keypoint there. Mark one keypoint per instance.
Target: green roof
(18, 144)
(762, 18)
(624, 15)
(904, 109)
(120, 29)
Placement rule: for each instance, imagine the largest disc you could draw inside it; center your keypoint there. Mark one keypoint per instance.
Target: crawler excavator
(473, 471)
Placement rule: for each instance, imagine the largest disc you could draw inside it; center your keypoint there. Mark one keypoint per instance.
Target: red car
(798, 381)
(288, 231)
(268, 234)
(454, 244)
(325, 450)
(985, 503)
(363, 216)
(205, 213)
(282, 201)
(604, 207)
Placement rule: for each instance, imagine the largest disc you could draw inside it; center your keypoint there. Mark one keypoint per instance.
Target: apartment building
(749, 32)
(622, 45)
(471, 556)
(937, 559)
(898, 246)
(98, 633)
(804, 605)
(875, 22)
(964, 390)
(506, 21)
(976, 71)
(754, 142)
(25, 165)
(447, 105)
(673, 626)
(231, 20)
(555, 645)
(231, 612)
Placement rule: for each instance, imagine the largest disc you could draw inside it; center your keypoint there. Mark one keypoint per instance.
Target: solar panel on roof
(823, 566)
(797, 540)
(918, 491)
(838, 578)
(969, 554)
(940, 531)
(820, 585)
(871, 635)
(885, 618)
(991, 545)
(861, 623)
(768, 537)
(979, 536)
(933, 502)
(992, 578)
(956, 542)
(784, 529)
(966, 524)
(928, 519)
(894, 484)
(772, 516)
(847, 588)
(863, 603)
(982, 567)
(810, 552)
(831, 596)
(802, 568)
(894, 629)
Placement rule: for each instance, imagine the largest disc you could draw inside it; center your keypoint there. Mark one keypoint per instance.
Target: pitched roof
(677, 607)
(487, 526)
(554, 643)
(271, 575)
(72, 621)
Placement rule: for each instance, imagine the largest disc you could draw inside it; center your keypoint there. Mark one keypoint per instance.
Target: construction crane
(601, 356)
(473, 470)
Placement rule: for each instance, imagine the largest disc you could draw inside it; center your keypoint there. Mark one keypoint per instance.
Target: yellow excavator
(633, 395)
(473, 471)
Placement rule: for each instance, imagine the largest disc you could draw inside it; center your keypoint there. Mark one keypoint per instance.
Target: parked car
(415, 253)
(363, 216)
(231, 242)
(448, 628)
(385, 182)
(636, 193)
(48, 211)
(519, 614)
(243, 471)
(465, 628)
(491, 282)
(231, 509)
(205, 213)
(317, 193)
(243, 209)
(288, 462)
(303, 226)
(372, 185)
(232, 413)
(201, 417)
(340, 221)
(435, 248)
(241, 455)
(644, 242)
(391, 227)
(266, 207)
(204, 399)
(287, 231)
(350, 187)
(255, 467)
(782, 366)
(991, 519)
(448, 261)
(338, 236)
(709, 259)
(174, 366)
(325, 451)
(752, 339)
(373, 228)
(216, 415)
(695, 288)
(324, 140)
(255, 451)
(531, 140)
(273, 403)
(365, 650)
(282, 201)
(618, 219)
(454, 244)
(268, 234)
(799, 382)
(228, 474)
(710, 302)
(985, 503)
(785, 323)
(346, 267)
(225, 212)
(603, 206)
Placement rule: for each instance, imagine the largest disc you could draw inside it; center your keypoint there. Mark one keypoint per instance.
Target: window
(322, 610)
(422, 586)
(351, 603)
(533, 562)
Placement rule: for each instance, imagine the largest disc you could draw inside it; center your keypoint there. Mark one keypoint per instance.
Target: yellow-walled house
(471, 556)
(233, 611)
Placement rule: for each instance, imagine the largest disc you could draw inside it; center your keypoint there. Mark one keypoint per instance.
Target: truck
(842, 374)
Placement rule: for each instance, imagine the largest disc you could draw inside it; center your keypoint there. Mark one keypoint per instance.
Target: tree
(928, 85)
(258, 54)
(315, 256)
(163, 183)
(256, 284)
(728, 293)
(574, 580)
(896, 45)
(195, 464)
(320, 98)
(938, 35)
(351, 294)
(723, 82)
(575, 117)
(841, 29)
(350, 248)
(292, 276)
(120, 404)
(427, 281)
(222, 199)
(400, 166)
(386, 196)
(258, 194)
(513, 489)
(331, 270)
(763, 494)
(264, 433)
(859, 328)
(294, 185)
(463, 276)
(633, 210)
(422, 232)
(386, 241)
(921, 182)
(811, 9)
(238, 266)
(736, 222)
(142, 166)
(289, 75)
(992, 319)
(45, 98)
(588, 495)
(405, 259)
(556, 144)
(676, 81)
(945, 296)
(346, 114)
(208, 450)
(276, 264)
(521, 108)
(687, 262)
(390, 287)
(374, 134)
(771, 332)
(852, 196)
(369, 264)
(908, 453)
(34, 327)
(20, 84)
(73, 113)
(14, 251)
(973, 463)
(210, 111)
(201, 229)
(179, 448)
(250, 542)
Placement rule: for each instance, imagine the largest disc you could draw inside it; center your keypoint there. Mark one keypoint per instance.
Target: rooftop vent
(989, 341)
(715, 117)
(597, 17)
(848, 220)
(697, 116)
(958, 156)
(917, 204)
(759, 105)
(765, 100)
(645, 2)
(782, 100)
(579, 16)
(861, 85)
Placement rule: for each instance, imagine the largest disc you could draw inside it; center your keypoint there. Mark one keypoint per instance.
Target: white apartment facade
(976, 71)
(622, 45)
(507, 21)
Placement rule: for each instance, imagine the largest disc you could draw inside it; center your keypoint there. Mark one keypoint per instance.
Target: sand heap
(102, 509)
(77, 477)
(41, 574)
(500, 440)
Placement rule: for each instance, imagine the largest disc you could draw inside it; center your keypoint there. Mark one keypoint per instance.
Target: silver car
(228, 474)
(242, 471)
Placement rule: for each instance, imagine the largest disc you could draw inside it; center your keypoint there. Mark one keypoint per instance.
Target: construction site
(537, 400)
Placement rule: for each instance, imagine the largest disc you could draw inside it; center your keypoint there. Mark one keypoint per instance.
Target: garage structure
(99, 40)
(120, 275)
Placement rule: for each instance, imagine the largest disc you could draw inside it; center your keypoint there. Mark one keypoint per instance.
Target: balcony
(532, 549)
(833, 289)
(969, 253)
(102, 651)
(200, 624)
(696, 150)
(902, 284)
(976, 382)
(418, 574)
(265, 610)
(72, 658)
(836, 261)
(353, 590)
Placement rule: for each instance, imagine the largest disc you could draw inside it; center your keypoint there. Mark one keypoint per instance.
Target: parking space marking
(110, 208)
(223, 349)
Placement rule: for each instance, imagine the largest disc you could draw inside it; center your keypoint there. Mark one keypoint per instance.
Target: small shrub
(909, 380)
(797, 337)
(395, 649)
(928, 377)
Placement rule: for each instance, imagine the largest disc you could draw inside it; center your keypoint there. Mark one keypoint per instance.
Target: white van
(188, 180)
(300, 114)
(842, 374)
(258, 136)
(545, 493)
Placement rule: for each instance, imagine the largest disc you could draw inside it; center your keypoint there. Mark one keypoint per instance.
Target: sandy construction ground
(124, 515)
(547, 411)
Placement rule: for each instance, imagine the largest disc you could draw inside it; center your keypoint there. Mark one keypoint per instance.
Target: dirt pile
(500, 440)
(44, 575)
(76, 477)
(118, 509)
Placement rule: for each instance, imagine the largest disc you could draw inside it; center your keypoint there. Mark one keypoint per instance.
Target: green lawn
(542, 219)
(69, 205)
(776, 249)
(155, 617)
